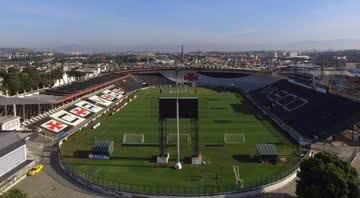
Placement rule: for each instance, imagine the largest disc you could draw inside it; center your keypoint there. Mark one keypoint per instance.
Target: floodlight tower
(178, 165)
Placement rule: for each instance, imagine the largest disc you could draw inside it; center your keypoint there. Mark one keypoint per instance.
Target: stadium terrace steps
(224, 74)
(246, 82)
(76, 87)
(152, 79)
(321, 116)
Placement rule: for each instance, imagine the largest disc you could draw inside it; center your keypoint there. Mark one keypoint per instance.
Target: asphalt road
(44, 186)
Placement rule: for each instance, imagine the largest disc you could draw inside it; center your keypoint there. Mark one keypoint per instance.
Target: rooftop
(33, 99)
(8, 142)
(266, 149)
(102, 146)
(4, 119)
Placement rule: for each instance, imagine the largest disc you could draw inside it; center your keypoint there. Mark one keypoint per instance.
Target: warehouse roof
(266, 149)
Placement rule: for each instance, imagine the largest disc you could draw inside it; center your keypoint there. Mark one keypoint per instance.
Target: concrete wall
(16, 177)
(12, 159)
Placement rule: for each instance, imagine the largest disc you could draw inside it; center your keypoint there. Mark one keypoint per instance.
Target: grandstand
(152, 79)
(30, 106)
(77, 89)
(313, 114)
(244, 82)
(128, 84)
(224, 74)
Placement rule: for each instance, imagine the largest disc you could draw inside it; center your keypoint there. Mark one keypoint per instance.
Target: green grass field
(219, 113)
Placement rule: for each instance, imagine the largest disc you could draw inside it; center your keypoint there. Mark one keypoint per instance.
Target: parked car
(36, 170)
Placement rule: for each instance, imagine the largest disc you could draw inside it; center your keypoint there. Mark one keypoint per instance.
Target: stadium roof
(76, 89)
(266, 149)
(33, 99)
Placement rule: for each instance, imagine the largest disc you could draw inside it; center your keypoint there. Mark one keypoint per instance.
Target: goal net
(238, 181)
(133, 138)
(234, 138)
(184, 138)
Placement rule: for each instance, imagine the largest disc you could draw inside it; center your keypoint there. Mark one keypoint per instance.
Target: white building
(12, 152)
(9, 123)
(14, 162)
(293, 54)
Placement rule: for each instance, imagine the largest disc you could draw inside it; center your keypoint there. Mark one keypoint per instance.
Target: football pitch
(220, 112)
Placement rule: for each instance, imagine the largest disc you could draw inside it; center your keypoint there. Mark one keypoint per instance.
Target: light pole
(178, 165)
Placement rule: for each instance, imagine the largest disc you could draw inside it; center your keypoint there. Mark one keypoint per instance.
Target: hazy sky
(233, 24)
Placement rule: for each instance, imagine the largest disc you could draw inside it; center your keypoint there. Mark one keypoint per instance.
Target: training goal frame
(239, 138)
(127, 136)
(171, 138)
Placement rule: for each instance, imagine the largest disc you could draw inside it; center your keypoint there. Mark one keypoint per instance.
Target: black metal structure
(188, 109)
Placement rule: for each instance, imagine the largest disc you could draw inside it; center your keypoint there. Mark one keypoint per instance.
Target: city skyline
(163, 25)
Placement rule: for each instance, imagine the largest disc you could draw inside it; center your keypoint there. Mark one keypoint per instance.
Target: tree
(14, 193)
(326, 176)
(12, 83)
(45, 80)
(75, 73)
(56, 73)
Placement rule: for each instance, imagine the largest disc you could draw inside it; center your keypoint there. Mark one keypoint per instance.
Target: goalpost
(238, 181)
(238, 138)
(184, 138)
(129, 138)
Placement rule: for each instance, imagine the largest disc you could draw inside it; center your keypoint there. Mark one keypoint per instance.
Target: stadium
(242, 132)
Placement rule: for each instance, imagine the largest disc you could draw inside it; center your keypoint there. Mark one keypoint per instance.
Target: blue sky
(160, 23)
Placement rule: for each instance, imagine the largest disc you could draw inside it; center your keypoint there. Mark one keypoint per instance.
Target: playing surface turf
(219, 113)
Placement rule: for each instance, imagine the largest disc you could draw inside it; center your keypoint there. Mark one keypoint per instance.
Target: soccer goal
(238, 181)
(234, 138)
(184, 138)
(133, 138)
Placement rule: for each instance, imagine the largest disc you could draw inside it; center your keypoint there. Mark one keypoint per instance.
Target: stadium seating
(129, 84)
(81, 85)
(152, 79)
(244, 82)
(224, 74)
(311, 113)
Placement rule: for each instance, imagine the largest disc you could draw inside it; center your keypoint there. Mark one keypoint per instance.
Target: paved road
(287, 191)
(44, 186)
(53, 182)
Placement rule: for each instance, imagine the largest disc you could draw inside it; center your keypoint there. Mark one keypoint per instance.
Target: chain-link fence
(116, 186)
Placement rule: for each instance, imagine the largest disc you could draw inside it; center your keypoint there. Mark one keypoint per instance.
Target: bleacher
(129, 84)
(77, 87)
(244, 82)
(311, 113)
(152, 79)
(224, 74)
